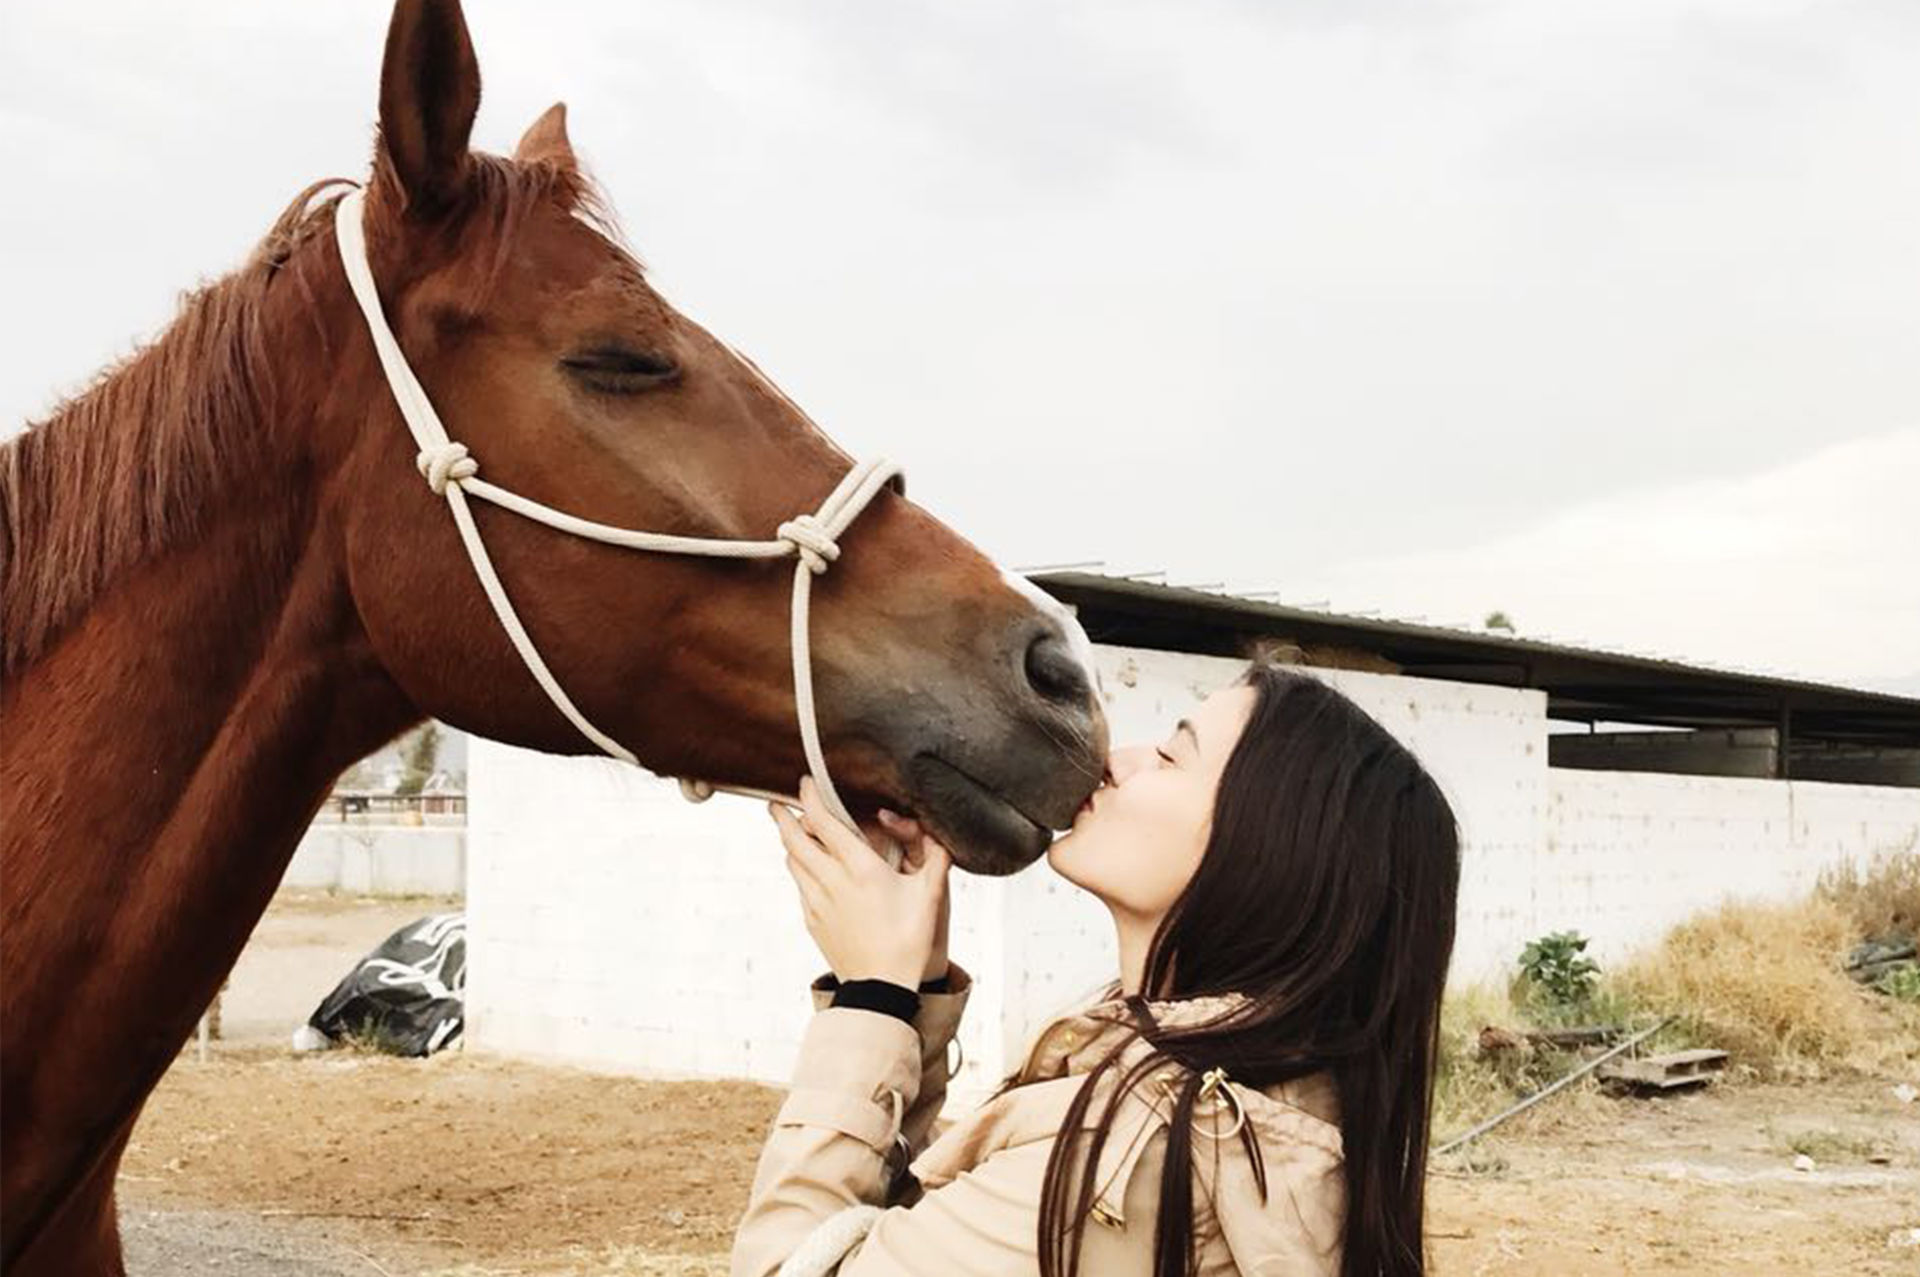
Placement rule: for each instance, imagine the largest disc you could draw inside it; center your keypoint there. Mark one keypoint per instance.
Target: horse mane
(134, 465)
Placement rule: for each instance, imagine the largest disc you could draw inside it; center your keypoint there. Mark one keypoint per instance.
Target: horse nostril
(1055, 672)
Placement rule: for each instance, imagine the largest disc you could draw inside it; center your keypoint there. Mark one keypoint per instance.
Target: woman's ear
(429, 94)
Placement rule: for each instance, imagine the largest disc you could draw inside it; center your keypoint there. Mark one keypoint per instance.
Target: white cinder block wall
(380, 860)
(613, 924)
(1628, 854)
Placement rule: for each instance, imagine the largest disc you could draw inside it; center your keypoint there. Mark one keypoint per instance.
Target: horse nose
(1056, 672)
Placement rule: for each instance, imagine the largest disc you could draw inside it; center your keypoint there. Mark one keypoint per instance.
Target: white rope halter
(451, 471)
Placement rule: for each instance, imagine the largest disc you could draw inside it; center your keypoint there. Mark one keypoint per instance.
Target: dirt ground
(464, 1166)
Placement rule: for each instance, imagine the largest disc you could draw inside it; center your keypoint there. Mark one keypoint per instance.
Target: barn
(613, 925)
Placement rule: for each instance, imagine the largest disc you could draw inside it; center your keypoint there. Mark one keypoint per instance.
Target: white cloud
(1232, 288)
(1812, 567)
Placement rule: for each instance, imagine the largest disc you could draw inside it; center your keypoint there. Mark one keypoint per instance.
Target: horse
(223, 581)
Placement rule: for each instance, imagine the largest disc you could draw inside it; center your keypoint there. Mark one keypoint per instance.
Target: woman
(1251, 1098)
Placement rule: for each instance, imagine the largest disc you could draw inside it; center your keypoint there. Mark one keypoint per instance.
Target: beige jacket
(865, 1094)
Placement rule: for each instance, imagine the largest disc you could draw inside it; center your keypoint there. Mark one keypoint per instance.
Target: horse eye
(620, 371)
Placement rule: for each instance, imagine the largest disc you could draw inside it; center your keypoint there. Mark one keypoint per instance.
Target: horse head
(945, 688)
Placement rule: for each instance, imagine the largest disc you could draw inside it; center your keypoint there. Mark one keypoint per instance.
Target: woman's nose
(1126, 761)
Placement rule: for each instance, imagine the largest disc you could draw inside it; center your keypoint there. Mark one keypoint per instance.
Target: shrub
(1881, 897)
(1764, 982)
(1556, 972)
(1902, 982)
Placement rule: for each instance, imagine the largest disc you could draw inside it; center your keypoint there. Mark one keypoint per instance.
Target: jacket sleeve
(936, 1026)
(983, 1224)
(865, 1093)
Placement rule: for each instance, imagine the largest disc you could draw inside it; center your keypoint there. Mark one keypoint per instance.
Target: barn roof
(1583, 684)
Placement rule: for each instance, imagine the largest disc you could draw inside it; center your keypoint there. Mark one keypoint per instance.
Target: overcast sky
(1606, 314)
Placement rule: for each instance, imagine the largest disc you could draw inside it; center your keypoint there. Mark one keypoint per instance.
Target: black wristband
(883, 996)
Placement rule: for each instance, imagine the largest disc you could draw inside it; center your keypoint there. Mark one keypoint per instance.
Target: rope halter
(812, 540)
(447, 463)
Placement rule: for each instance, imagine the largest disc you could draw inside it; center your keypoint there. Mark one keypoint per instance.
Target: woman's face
(1139, 838)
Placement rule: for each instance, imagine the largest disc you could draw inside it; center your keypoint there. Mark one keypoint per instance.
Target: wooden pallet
(1671, 1072)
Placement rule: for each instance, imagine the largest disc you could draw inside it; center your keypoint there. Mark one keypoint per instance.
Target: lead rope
(451, 471)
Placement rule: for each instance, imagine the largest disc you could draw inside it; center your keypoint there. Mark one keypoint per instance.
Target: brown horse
(223, 581)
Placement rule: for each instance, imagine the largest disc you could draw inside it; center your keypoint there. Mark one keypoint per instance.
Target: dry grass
(1828, 1144)
(1471, 1086)
(1881, 897)
(1764, 983)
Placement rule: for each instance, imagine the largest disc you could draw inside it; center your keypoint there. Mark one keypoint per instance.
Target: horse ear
(545, 141)
(429, 94)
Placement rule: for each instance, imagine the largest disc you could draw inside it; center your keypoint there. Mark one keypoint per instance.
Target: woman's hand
(872, 922)
(914, 842)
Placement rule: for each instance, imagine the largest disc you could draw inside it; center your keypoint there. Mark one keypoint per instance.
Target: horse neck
(160, 761)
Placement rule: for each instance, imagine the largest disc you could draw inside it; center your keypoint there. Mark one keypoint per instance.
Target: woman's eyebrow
(1187, 727)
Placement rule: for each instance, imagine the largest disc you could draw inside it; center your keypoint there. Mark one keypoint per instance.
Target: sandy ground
(256, 1162)
(424, 1165)
(234, 1244)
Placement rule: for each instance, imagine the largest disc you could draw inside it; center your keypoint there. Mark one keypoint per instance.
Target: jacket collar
(1077, 1042)
(1299, 1113)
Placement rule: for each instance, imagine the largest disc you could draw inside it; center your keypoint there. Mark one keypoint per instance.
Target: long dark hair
(1326, 899)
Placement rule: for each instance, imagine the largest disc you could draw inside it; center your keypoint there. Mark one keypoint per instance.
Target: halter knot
(446, 463)
(811, 541)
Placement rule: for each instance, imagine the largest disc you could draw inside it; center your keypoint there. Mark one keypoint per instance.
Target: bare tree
(418, 756)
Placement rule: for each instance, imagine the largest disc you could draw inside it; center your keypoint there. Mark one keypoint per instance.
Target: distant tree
(357, 777)
(417, 759)
(1498, 620)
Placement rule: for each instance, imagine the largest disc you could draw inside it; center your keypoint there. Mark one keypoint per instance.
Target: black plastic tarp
(407, 997)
